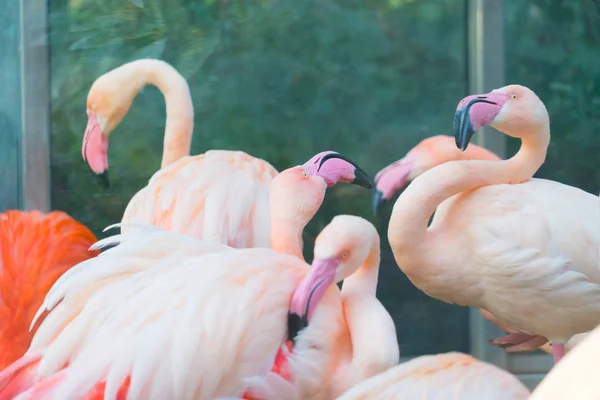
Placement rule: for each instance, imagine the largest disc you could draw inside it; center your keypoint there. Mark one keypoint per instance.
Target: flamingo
(220, 196)
(35, 249)
(444, 376)
(206, 320)
(575, 376)
(524, 249)
(429, 153)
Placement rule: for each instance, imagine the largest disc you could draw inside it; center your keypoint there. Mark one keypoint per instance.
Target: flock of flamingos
(199, 297)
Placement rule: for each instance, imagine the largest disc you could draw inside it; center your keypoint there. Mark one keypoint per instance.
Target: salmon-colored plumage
(35, 249)
(445, 376)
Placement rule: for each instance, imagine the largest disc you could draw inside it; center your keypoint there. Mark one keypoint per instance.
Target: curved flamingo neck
(407, 232)
(286, 236)
(363, 282)
(179, 108)
(371, 328)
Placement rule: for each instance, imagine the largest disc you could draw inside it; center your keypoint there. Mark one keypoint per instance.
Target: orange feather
(35, 250)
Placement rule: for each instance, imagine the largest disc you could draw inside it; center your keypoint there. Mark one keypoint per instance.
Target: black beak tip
(295, 324)
(362, 179)
(377, 201)
(103, 180)
(463, 133)
(461, 145)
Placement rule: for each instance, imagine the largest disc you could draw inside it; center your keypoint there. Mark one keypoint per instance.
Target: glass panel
(554, 50)
(10, 105)
(280, 80)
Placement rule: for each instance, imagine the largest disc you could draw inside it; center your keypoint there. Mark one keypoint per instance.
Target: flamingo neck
(286, 236)
(371, 329)
(409, 238)
(363, 282)
(179, 108)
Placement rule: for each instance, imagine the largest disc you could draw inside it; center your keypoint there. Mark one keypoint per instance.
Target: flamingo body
(441, 377)
(524, 252)
(35, 250)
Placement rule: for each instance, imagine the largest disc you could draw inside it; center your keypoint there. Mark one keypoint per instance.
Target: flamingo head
(332, 167)
(297, 193)
(513, 109)
(429, 153)
(108, 101)
(341, 249)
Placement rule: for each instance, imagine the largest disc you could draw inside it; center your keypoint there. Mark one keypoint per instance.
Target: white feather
(219, 196)
(174, 318)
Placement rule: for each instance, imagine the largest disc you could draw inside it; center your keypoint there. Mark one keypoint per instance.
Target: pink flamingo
(220, 196)
(575, 376)
(205, 320)
(95, 299)
(501, 240)
(445, 376)
(429, 153)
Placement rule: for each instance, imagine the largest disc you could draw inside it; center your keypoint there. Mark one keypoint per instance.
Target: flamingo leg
(558, 350)
(519, 341)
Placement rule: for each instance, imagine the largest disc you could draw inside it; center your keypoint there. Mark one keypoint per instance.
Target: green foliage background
(283, 80)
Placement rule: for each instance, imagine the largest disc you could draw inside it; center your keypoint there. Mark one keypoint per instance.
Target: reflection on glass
(280, 80)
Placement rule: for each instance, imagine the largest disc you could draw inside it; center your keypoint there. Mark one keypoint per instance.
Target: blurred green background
(283, 80)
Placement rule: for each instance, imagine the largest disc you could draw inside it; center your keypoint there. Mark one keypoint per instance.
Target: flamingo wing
(180, 329)
(219, 196)
(531, 265)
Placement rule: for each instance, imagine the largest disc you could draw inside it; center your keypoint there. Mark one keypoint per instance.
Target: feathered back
(443, 376)
(35, 250)
(219, 196)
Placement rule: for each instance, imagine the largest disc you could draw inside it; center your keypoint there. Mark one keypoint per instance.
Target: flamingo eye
(345, 255)
(513, 96)
(304, 174)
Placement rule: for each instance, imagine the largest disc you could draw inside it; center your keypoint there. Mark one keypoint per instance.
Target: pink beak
(308, 294)
(389, 180)
(474, 112)
(94, 150)
(334, 168)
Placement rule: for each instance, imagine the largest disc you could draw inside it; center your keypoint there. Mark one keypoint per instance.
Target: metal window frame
(485, 52)
(35, 105)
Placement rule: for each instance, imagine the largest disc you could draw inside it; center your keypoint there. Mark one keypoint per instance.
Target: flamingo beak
(94, 150)
(308, 294)
(377, 201)
(474, 112)
(390, 180)
(334, 168)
